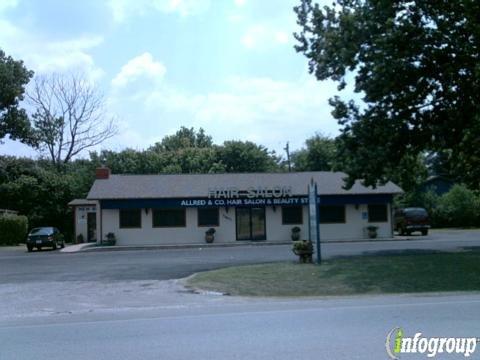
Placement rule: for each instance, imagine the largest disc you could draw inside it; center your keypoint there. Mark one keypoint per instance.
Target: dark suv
(412, 219)
(45, 236)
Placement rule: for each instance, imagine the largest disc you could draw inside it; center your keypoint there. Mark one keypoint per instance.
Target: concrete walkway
(77, 247)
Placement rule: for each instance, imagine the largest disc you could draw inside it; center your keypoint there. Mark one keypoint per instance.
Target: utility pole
(287, 149)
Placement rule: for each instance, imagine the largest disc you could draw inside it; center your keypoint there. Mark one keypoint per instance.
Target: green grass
(347, 276)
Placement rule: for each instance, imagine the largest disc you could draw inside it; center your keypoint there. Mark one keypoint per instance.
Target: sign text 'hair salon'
(261, 192)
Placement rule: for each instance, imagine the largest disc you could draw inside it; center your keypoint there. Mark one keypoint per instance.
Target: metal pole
(317, 203)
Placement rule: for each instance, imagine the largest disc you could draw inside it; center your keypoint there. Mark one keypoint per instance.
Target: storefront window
(169, 218)
(208, 217)
(377, 213)
(332, 214)
(130, 218)
(292, 215)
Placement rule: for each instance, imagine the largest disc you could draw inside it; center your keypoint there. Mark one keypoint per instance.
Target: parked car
(45, 237)
(411, 219)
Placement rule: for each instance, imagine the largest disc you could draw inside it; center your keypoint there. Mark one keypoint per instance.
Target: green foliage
(13, 229)
(14, 121)
(459, 207)
(41, 192)
(415, 64)
(302, 246)
(319, 154)
(183, 138)
(246, 156)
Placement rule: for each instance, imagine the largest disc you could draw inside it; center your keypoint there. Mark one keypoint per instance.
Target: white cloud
(124, 9)
(263, 110)
(44, 55)
(239, 3)
(142, 67)
(6, 4)
(264, 36)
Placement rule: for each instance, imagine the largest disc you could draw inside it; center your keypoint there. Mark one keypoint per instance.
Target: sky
(227, 66)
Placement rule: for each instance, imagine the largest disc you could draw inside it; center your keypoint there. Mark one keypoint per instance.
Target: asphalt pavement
(19, 266)
(339, 328)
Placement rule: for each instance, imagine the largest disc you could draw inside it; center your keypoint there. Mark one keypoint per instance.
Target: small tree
(69, 116)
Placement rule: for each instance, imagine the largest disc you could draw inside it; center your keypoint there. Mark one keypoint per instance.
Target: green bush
(459, 207)
(13, 229)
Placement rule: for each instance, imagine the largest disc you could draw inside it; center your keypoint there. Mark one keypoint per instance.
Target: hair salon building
(178, 209)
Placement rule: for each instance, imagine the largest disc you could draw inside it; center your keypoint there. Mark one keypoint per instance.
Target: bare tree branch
(69, 116)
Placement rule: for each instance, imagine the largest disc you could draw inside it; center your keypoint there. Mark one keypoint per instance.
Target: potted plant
(111, 239)
(372, 231)
(210, 235)
(304, 250)
(80, 239)
(295, 233)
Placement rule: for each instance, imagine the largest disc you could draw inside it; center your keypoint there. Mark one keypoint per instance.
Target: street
(350, 328)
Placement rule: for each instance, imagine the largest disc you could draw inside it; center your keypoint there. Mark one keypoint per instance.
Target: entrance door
(91, 226)
(250, 223)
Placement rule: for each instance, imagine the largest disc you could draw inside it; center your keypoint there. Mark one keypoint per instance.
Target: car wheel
(424, 232)
(29, 248)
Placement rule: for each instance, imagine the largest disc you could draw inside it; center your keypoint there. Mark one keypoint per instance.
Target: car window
(41, 231)
(416, 212)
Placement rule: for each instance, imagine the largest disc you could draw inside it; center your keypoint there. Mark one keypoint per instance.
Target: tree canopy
(14, 76)
(416, 64)
(319, 154)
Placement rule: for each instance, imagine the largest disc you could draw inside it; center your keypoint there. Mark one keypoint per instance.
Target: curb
(93, 248)
(175, 247)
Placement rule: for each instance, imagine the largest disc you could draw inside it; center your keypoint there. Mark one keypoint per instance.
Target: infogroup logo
(397, 343)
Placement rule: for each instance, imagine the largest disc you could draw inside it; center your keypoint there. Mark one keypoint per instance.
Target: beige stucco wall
(148, 235)
(192, 234)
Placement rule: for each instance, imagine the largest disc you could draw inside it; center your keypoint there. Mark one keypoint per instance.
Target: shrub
(459, 207)
(13, 229)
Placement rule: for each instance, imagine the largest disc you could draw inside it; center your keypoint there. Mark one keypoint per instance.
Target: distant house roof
(438, 184)
(198, 185)
(81, 202)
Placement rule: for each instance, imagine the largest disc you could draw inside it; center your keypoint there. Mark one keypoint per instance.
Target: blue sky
(225, 65)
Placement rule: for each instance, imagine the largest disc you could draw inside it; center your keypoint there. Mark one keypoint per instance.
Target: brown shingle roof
(197, 185)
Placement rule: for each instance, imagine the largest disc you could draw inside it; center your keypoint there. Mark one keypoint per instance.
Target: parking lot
(18, 266)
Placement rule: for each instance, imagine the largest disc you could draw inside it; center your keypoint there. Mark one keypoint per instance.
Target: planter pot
(372, 234)
(295, 236)
(209, 238)
(304, 256)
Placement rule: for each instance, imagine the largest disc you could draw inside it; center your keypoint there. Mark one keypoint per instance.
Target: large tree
(69, 116)
(417, 66)
(246, 156)
(14, 76)
(319, 154)
(184, 138)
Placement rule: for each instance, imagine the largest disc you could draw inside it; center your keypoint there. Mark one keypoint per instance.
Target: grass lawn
(347, 276)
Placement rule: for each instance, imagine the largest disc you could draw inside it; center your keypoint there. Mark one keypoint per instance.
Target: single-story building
(178, 209)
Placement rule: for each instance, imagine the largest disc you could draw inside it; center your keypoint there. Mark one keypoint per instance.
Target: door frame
(94, 217)
(250, 223)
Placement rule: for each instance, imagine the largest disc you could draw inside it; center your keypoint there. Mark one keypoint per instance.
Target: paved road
(353, 328)
(18, 266)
